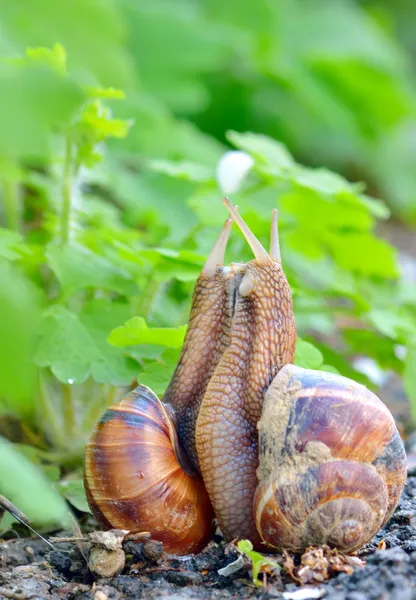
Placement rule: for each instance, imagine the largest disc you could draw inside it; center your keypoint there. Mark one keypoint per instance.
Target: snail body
(284, 456)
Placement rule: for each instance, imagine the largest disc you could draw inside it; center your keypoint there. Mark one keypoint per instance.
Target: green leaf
(29, 489)
(75, 346)
(158, 374)
(35, 100)
(364, 254)
(20, 310)
(73, 490)
(323, 181)
(307, 356)
(112, 366)
(36, 456)
(329, 369)
(183, 170)
(258, 561)
(11, 243)
(54, 58)
(77, 268)
(409, 378)
(263, 149)
(65, 346)
(136, 331)
(110, 92)
(90, 30)
(393, 322)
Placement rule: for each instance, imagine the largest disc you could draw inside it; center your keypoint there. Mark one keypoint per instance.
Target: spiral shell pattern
(332, 464)
(134, 481)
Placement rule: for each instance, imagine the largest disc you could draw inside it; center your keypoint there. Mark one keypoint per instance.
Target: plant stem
(68, 407)
(146, 299)
(11, 204)
(103, 398)
(66, 193)
(48, 414)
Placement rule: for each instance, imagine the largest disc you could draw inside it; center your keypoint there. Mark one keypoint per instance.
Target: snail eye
(247, 285)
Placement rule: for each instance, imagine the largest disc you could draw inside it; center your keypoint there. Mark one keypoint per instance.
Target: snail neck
(262, 340)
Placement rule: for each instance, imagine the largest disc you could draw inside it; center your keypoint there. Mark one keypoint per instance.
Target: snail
(285, 456)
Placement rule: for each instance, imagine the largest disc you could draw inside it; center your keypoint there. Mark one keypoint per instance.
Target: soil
(30, 569)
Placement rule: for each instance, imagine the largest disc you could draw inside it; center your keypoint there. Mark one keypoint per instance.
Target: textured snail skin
(207, 336)
(133, 480)
(332, 464)
(263, 338)
(289, 457)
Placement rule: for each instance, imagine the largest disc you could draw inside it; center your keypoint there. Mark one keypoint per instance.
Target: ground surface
(29, 569)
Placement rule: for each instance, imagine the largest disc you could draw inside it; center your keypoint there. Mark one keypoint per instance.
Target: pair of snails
(284, 456)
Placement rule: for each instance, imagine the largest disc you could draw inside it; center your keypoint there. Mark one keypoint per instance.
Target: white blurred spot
(304, 594)
(369, 367)
(232, 169)
(400, 351)
(70, 381)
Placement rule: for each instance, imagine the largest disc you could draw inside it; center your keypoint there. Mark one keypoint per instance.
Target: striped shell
(332, 465)
(134, 481)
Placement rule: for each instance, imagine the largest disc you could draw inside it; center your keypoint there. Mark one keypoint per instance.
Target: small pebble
(183, 578)
(60, 561)
(152, 550)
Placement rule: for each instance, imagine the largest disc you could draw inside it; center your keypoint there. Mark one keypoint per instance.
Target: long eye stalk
(258, 250)
(274, 238)
(216, 256)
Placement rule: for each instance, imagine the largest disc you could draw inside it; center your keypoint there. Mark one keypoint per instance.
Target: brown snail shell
(134, 481)
(332, 465)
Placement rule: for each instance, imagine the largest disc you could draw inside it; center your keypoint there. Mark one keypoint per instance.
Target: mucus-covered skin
(208, 335)
(262, 340)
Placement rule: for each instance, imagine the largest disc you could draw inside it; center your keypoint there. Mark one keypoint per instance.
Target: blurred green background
(116, 120)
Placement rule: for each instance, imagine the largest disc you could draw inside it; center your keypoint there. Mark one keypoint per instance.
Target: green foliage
(259, 562)
(136, 332)
(43, 505)
(113, 119)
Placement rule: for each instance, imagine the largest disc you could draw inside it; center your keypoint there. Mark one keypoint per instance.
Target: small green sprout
(259, 562)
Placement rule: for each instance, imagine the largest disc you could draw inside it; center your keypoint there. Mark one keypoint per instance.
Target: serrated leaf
(113, 366)
(136, 331)
(307, 355)
(65, 346)
(77, 268)
(75, 346)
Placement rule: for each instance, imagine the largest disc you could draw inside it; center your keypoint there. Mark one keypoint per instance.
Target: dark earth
(384, 569)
